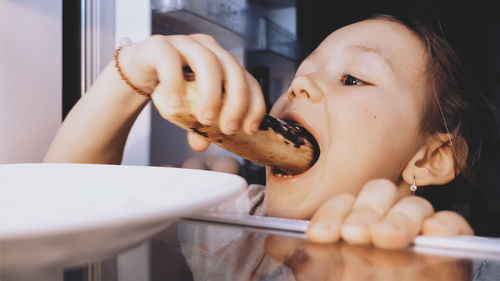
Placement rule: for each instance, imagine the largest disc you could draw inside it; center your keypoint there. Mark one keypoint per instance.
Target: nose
(303, 86)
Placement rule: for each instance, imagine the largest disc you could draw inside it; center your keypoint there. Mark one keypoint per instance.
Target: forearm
(96, 129)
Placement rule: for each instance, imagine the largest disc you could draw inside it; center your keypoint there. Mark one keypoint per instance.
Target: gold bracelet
(124, 78)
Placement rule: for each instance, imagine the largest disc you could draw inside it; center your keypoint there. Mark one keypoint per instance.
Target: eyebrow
(366, 49)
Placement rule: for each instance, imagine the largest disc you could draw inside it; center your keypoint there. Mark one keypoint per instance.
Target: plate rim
(149, 216)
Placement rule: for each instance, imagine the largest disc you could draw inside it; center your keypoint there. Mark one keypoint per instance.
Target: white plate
(67, 214)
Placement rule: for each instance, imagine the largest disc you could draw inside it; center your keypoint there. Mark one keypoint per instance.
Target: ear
(434, 162)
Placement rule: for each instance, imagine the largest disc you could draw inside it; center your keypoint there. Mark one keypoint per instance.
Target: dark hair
(456, 106)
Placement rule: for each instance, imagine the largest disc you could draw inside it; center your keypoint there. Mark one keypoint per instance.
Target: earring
(413, 187)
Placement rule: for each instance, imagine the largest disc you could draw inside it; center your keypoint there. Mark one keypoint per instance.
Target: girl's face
(361, 94)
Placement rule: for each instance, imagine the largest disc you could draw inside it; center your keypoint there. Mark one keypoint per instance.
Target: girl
(383, 97)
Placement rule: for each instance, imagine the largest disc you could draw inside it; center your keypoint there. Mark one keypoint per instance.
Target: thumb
(197, 142)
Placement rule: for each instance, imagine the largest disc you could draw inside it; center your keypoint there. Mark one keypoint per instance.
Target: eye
(349, 80)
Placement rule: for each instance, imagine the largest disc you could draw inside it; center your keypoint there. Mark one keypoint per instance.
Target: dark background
(472, 28)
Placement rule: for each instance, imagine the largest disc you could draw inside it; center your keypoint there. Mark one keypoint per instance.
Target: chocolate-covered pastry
(283, 145)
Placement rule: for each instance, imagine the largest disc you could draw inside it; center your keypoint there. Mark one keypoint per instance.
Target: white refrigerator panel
(133, 20)
(105, 23)
(30, 78)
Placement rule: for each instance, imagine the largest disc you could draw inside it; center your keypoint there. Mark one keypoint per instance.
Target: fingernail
(174, 101)
(320, 225)
(208, 115)
(233, 125)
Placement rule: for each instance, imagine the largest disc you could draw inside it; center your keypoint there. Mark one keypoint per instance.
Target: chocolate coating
(290, 130)
(195, 130)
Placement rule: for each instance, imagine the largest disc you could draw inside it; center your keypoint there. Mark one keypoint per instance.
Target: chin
(292, 196)
(280, 209)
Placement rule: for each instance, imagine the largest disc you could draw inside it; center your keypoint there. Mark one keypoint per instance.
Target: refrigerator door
(30, 78)
(104, 24)
(133, 20)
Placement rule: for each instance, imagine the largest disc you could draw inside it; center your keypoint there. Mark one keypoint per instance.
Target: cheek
(374, 112)
(377, 134)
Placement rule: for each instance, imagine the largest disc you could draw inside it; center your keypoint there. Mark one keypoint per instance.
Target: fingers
(256, 107)
(235, 86)
(326, 222)
(168, 64)
(209, 75)
(197, 142)
(373, 202)
(377, 217)
(446, 223)
(242, 103)
(402, 224)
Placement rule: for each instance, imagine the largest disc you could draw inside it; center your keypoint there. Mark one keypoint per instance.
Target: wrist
(111, 92)
(137, 75)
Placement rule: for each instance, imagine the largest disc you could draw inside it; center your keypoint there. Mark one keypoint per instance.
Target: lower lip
(275, 178)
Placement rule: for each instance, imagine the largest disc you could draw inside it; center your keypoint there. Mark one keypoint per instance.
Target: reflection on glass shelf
(234, 22)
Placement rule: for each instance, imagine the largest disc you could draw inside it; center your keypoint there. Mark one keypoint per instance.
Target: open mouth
(304, 134)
